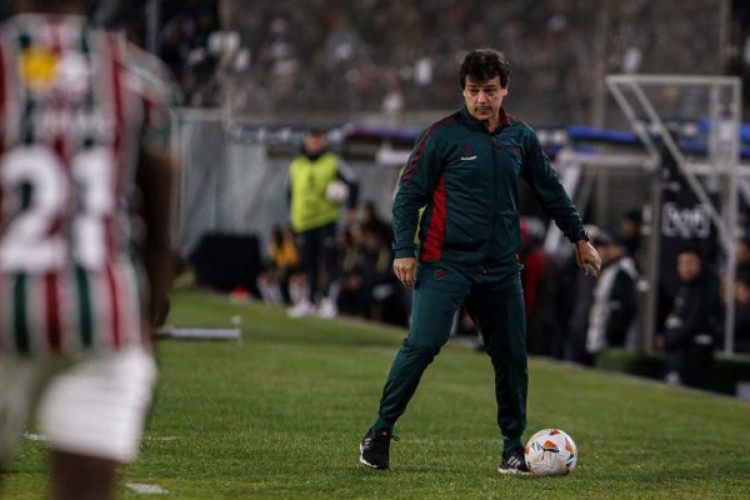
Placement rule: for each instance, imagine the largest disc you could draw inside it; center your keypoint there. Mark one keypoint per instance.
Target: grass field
(281, 415)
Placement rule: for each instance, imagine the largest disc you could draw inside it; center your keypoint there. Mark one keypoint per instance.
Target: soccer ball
(551, 452)
(337, 192)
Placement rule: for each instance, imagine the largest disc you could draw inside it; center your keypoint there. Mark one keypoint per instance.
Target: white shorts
(94, 407)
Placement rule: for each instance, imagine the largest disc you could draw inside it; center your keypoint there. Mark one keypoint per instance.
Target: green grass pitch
(280, 415)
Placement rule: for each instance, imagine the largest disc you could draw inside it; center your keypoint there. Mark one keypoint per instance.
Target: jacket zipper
(493, 236)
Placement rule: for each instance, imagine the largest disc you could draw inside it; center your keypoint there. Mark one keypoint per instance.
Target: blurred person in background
(274, 282)
(381, 284)
(319, 183)
(690, 336)
(577, 299)
(743, 253)
(465, 169)
(85, 155)
(369, 218)
(613, 313)
(630, 233)
(544, 333)
(742, 311)
(353, 297)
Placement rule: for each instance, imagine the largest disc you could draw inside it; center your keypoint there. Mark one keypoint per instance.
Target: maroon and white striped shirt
(77, 106)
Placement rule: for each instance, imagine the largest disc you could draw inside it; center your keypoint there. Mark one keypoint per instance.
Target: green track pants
(495, 301)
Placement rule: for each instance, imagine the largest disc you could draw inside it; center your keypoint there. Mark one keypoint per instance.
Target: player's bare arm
(156, 176)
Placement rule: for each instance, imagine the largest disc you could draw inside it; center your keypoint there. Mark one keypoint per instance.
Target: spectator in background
(318, 183)
(577, 301)
(353, 296)
(630, 231)
(382, 285)
(613, 312)
(742, 311)
(690, 336)
(369, 218)
(284, 262)
(544, 336)
(743, 254)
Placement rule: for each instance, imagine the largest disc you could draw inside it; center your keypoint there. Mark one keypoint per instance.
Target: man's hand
(405, 269)
(588, 258)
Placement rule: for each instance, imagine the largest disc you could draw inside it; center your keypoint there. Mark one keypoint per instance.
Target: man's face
(688, 266)
(743, 252)
(483, 99)
(742, 293)
(629, 228)
(314, 143)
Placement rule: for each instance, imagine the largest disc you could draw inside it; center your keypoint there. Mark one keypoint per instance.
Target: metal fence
(239, 188)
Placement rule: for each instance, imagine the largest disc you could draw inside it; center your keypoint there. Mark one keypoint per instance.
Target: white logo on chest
(468, 158)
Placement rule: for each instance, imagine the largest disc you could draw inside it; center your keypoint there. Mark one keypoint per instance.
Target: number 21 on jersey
(83, 195)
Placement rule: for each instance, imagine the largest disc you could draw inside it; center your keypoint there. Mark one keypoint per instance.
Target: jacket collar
(475, 124)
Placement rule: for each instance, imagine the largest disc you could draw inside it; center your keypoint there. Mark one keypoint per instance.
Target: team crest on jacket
(468, 153)
(439, 274)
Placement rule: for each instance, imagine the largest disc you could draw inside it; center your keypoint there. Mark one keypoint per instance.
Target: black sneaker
(513, 462)
(374, 449)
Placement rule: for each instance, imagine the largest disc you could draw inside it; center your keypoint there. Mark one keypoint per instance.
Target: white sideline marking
(201, 333)
(30, 436)
(147, 489)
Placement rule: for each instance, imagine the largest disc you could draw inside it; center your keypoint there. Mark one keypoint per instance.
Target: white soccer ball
(337, 192)
(551, 452)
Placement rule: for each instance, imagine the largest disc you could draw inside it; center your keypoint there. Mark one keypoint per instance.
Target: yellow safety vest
(309, 180)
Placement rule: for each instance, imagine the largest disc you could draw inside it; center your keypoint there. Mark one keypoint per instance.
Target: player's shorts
(94, 407)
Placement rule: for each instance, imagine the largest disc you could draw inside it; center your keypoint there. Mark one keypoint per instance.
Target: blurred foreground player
(83, 157)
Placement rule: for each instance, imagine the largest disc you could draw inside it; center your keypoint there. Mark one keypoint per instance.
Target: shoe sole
(513, 472)
(365, 462)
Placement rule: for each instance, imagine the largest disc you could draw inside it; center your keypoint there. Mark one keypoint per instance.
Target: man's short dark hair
(635, 215)
(691, 249)
(485, 64)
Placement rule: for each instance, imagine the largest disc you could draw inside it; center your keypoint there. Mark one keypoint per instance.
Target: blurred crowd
(395, 55)
(390, 56)
(184, 42)
(570, 316)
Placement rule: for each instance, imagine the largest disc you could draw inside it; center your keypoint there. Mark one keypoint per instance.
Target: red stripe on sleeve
(435, 234)
(419, 150)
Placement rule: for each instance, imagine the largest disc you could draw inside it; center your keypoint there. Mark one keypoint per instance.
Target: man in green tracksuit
(464, 169)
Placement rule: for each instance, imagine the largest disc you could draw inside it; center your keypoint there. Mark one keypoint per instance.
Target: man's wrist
(581, 237)
(403, 253)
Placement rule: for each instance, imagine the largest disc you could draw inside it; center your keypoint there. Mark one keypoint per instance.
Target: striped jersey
(77, 105)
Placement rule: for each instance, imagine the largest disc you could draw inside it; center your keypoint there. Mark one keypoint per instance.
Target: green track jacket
(467, 178)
